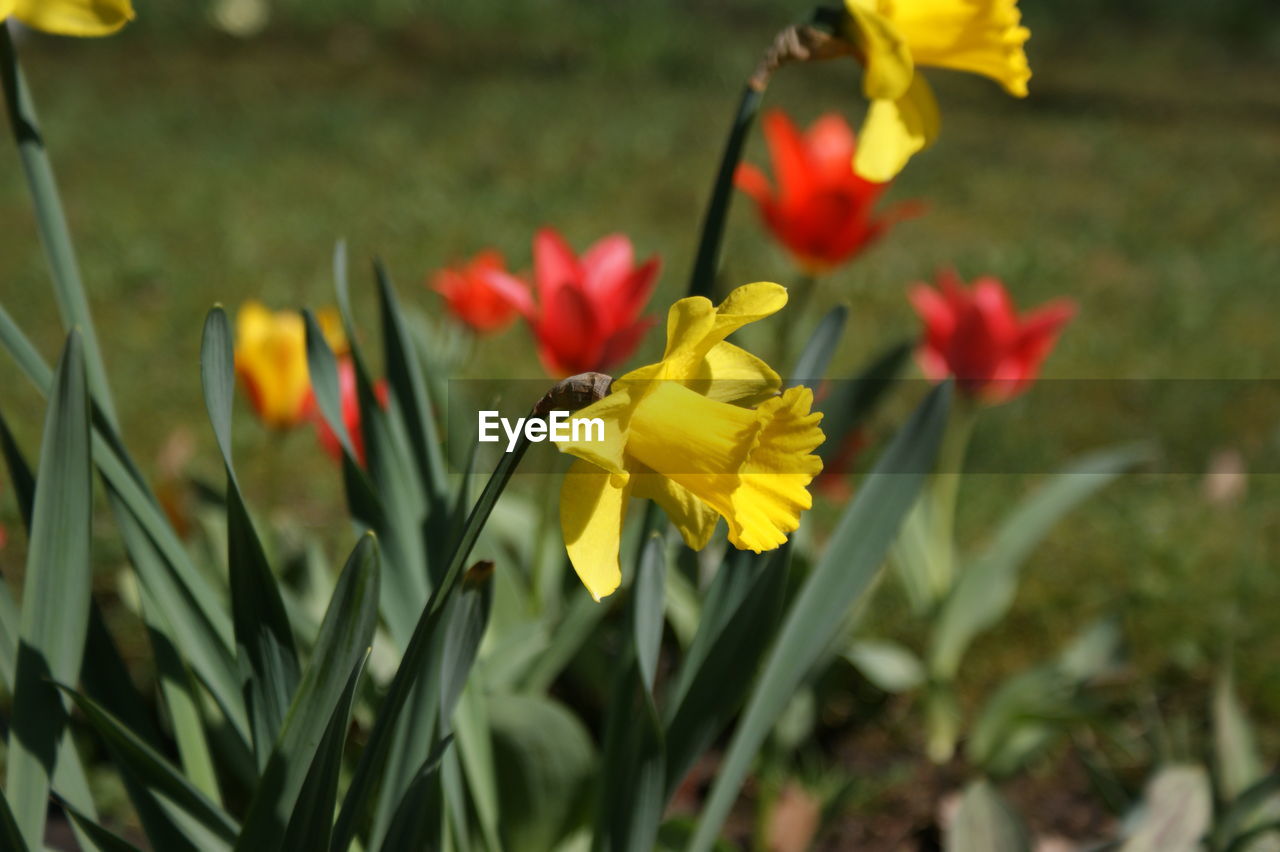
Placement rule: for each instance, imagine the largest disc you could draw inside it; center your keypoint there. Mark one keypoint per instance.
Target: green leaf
(105, 840)
(9, 832)
(1239, 761)
(170, 786)
(738, 621)
(850, 403)
(633, 772)
(343, 641)
(1176, 811)
(817, 354)
(985, 588)
(984, 822)
(419, 820)
(886, 664)
(55, 607)
(847, 568)
(404, 375)
(1252, 809)
(647, 609)
(363, 788)
(311, 823)
(51, 222)
(202, 629)
(264, 638)
(545, 762)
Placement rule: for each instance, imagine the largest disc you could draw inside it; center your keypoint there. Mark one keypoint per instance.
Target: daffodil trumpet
(707, 433)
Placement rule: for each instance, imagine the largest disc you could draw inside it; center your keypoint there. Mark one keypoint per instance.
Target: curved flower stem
(52, 221)
(703, 280)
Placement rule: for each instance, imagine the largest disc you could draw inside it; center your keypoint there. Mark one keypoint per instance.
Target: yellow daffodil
(895, 37)
(704, 433)
(271, 360)
(70, 17)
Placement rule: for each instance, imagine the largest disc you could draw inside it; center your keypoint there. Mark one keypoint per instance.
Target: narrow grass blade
(51, 222)
(404, 374)
(847, 568)
(817, 354)
(311, 823)
(102, 838)
(55, 609)
(414, 662)
(150, 768)
(9, 832)
(986, 587)
(737, 624)
(702, 281)
(264, 638)
(986, 823)
(345, 637)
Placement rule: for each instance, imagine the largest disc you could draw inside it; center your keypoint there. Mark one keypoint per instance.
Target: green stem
(51, 221)
(942, 495)
(797, 311)
(703, 280)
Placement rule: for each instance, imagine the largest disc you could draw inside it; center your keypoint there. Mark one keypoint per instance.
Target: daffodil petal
(73, 17)
(979, 36)
(885, 54)
(6, 9)
(695, 519)
(729, 373)
(895, 130)
(592, 508)
(615, 410)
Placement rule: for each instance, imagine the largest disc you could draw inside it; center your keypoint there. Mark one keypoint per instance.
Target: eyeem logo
(557, 427)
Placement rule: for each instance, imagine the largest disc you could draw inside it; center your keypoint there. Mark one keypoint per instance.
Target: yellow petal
(695, 519)
(731, 374)
(6, 9)
(271, 359)
(335, 334)
(885, 54)
(774, 478)
(894, 131)
(979, 36)
(615, 410)
(592, 508)
(74, 17)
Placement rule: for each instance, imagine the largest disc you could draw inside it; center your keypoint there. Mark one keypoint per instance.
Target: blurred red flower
(587, 314)
(350, 413)
(975, 334)
(834, 482)
(821, 210)
(469, 295)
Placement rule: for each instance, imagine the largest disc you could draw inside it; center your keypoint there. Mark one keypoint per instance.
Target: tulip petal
(831, 145)
(74, 17)
(606, 267)
(512, 289)
(695, 520)
(569, 332)
(886, 55)
(554, 264)
(592, 509)
(894, 130)
(753, 182)
(731, 374)
(790, 156)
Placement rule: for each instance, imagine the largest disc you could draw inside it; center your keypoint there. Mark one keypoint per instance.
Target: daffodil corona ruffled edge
(895, 37)
(70, 17)
(704, 433)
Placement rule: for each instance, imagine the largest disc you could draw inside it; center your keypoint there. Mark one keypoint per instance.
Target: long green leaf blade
(55, 608)
(847, 568)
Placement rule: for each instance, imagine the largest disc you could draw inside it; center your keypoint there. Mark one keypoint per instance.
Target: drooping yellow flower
(895, 37)
(70, 17)
(703, 433)
(271, 360)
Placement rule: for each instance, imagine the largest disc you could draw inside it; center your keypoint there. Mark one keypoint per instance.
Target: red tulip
(975, 334)
(469, 296)
(350, 413)
(821, 211)
(587, 315)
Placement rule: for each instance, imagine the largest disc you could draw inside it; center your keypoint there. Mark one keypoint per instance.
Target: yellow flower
(271, 360)
(894, 37)
(684, 433)
(70, 17)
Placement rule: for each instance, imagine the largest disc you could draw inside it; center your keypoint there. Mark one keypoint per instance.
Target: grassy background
(1138, 179)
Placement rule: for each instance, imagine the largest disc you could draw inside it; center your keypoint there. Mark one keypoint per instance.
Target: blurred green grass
(1137, 179)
